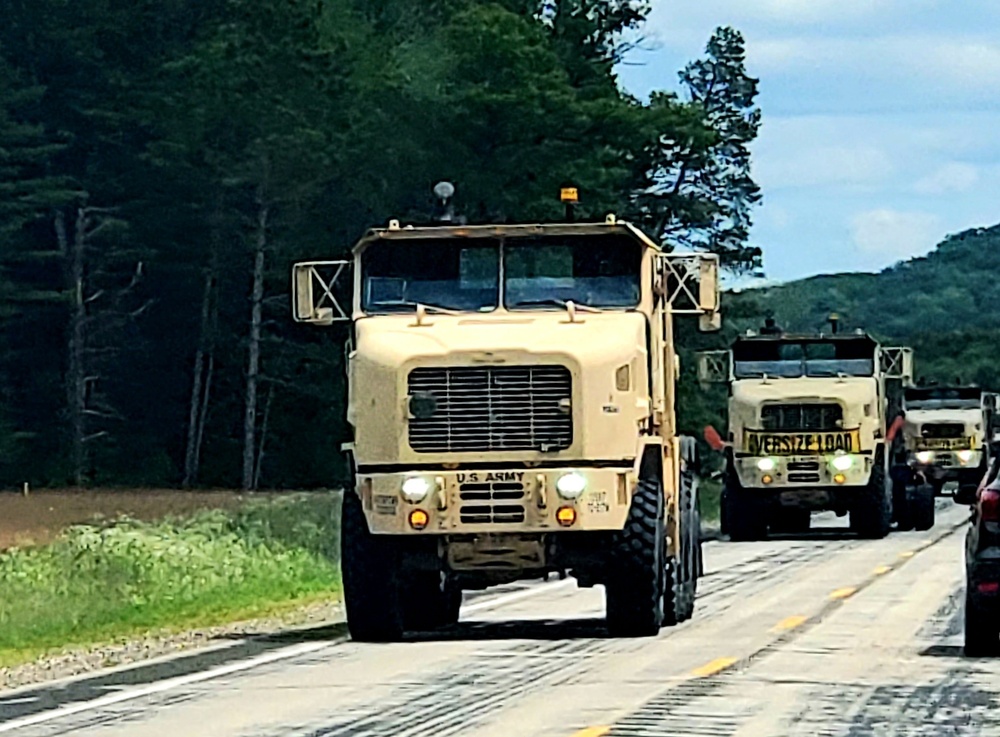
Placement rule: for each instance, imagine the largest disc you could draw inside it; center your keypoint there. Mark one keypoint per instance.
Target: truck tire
(680, 587)
(921, 508)
(370, 566)
(745, 514)
(791, 521)
(903, 480)
(871, 516)
(634, 589)
(429, 604)
(982, 630)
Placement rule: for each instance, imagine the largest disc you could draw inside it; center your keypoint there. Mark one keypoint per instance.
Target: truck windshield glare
(792, 360)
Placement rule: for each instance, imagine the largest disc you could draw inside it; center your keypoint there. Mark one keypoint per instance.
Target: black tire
(902, 481)
(370, 568)
(680, 587)
(634, 590)
(745, 514)
(921, 505)
(871, 516)
(791, 520)
(429, 604)
(966, 494)
(982, 630)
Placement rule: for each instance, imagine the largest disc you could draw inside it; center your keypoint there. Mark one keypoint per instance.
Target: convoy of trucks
(512, 399)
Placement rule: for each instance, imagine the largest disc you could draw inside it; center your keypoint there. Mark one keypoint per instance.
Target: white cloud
(951, 177)
(894, 234)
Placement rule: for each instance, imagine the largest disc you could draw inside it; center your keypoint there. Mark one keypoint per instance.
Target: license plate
(787, 444)
(947, 444)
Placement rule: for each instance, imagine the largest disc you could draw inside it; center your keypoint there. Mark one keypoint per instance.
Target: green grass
(98, 584)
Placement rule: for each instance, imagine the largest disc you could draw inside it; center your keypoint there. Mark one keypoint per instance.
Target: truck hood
(853, 391)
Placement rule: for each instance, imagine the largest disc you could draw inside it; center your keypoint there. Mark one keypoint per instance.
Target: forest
(162, 163)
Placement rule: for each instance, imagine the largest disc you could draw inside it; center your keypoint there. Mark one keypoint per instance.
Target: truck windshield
(595, 271)
(780, 359)
(460, 275)
(464, 275)
(943, 398)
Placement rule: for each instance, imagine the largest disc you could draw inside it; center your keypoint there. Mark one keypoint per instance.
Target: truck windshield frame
(792, 359)
(478, 275)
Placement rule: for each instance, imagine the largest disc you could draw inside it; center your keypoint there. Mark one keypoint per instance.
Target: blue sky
(881, 120)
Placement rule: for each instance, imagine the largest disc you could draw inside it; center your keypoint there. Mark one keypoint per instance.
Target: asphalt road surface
(817, 635)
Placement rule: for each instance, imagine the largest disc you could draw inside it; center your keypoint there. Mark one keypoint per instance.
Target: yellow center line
(791, 623)
(843, 593)
(882, 570)
(716, 666)
(907, 554)
(593, 732)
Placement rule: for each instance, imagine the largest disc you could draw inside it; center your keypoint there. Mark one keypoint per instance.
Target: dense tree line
(163, 163)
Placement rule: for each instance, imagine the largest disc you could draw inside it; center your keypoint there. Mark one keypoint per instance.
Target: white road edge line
(505, 599)
(171, 683)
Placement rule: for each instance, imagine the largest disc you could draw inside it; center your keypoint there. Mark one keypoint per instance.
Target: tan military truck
(511, 395)
(809, 420)
(948, 431)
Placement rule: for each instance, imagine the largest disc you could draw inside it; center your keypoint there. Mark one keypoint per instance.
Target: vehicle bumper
(462, 502)
(802, 473)
(984, 579)
(948, 466)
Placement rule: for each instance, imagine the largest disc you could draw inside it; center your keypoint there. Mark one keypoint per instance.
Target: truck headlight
(925, 456)
(842, 462)
(965, 456)
(571, 485)
(766, 464)
(415, 489)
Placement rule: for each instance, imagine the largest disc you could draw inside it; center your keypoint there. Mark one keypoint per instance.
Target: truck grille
(493, 408)
(794, 417)
(943, 430)
(497, 502)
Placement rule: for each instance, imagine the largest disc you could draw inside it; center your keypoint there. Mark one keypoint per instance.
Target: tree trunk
(74, 253)
(199, 387)
(263, 437)
(253, 362)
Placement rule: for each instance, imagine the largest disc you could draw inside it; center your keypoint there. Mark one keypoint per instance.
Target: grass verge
(98, 584)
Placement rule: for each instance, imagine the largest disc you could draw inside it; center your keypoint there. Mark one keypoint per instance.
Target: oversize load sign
(790, 443)
(946, 444)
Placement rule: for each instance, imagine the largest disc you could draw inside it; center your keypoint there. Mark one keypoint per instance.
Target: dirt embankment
(42, 515)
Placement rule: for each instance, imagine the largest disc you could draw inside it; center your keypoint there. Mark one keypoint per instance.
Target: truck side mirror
(690, 284)
(318, 292)
(713, 367)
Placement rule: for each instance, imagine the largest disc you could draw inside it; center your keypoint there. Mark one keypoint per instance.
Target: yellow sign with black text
(758, 443)
(946, 444)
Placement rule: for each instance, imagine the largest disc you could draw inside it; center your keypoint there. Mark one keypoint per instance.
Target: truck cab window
(459, 275)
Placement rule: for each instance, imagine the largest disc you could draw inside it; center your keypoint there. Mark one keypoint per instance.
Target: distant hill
(945, 305)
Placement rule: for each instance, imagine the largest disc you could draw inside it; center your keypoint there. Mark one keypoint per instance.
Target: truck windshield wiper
(554, 302)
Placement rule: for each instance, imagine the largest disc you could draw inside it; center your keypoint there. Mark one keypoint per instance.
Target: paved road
(823, 635)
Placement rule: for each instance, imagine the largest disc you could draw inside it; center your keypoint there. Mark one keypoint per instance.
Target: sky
(881, 131)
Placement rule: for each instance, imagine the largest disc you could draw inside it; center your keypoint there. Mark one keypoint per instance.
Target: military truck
(809, 426)
(948, 431)
(511, 398)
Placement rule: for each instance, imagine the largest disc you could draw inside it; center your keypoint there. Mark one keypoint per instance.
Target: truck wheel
(982, 631)
(369, 565)
(744, 513)
(966, 494)
(921, 507)
(871, 516)
(791, 521)
(680, 587)
(634, 589)
(429, 605)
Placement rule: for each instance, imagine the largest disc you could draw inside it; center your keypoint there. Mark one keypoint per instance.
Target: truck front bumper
(950, 465)
(460, 502)
(784, 473)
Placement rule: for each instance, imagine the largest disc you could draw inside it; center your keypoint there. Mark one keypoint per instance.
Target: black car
(982, 563)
